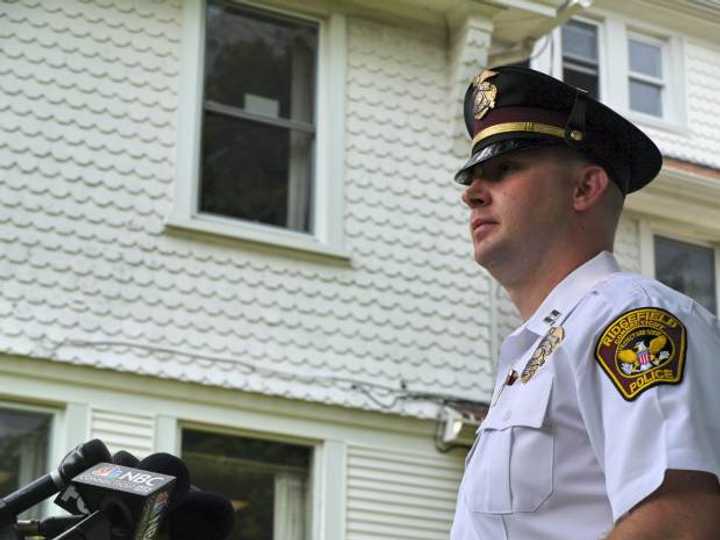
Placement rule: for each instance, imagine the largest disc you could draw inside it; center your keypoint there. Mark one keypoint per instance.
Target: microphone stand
(94, 527)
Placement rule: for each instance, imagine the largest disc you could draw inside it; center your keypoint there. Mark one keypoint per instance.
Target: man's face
(518, 204)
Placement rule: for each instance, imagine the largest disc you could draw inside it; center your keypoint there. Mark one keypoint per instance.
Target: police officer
(604, 419)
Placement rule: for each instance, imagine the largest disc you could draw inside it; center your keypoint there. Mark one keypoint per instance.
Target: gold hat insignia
(485, 94)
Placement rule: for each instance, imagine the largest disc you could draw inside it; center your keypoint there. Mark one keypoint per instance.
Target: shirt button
(507, 415)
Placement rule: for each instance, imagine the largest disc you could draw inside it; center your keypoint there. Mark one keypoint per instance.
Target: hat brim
(505, 143)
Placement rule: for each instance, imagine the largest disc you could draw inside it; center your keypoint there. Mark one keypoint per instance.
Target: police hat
(511, 108)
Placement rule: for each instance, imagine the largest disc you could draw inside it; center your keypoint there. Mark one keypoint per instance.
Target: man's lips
(481, 224)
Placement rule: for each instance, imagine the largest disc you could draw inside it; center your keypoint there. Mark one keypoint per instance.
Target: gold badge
(642, 348)
(485, 94)
(547, 346)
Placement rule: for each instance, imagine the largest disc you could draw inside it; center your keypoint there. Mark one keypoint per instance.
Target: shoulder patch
(642, 348)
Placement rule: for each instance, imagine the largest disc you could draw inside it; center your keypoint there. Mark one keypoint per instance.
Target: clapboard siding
(400, 495)
(122, 431)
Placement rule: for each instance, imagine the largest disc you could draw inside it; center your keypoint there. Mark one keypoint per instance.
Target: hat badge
(485, 93)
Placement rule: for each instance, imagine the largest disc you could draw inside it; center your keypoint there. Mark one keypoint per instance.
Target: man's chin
(489, 255)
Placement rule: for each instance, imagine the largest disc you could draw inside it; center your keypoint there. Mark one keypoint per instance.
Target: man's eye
(506, 168)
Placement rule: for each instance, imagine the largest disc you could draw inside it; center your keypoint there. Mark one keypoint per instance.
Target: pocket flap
(527, 406)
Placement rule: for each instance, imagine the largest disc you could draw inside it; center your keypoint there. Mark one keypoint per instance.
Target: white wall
(87, 132)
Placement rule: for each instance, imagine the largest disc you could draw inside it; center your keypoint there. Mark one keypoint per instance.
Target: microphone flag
(131, 497)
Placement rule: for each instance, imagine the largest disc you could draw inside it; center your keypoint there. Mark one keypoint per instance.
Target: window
(258, 132)
(635, 68)
(23, 450)
(688, 268)
(261, 125)
(646, 82)
(267, 482)
(580, 61)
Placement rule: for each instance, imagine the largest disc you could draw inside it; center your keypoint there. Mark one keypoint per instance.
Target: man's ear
(591, 182)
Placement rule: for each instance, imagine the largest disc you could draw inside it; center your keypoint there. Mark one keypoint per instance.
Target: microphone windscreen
(201, 515)
(126, 459)
(164, 463)
(83, 457)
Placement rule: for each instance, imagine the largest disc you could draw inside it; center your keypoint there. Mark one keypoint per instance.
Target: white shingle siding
(393, 494)
(700, 141)
(87, 120)
(627, 245)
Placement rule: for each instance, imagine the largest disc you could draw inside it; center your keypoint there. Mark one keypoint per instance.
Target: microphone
(134, 498)
(133, 501)
(70, 500)
(170, 465)
(122, 457)
(201, 515)
(77, 460)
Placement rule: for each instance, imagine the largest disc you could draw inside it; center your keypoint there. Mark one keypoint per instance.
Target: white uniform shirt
(566, 454)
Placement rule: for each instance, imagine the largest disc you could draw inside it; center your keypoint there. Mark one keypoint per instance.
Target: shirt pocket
(511, 469)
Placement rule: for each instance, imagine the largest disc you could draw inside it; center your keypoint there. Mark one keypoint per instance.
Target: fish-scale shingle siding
(88, 107)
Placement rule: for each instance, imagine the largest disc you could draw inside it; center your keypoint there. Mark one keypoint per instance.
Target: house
(229, 231)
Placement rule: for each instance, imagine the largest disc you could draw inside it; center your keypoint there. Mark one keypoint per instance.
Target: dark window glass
(580, 56)
(579, 79)
(23, 451)
(267, 482)
(687, 268)
(258, 128)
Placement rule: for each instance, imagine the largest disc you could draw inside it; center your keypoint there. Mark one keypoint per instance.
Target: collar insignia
(548, 345)
(485, 93)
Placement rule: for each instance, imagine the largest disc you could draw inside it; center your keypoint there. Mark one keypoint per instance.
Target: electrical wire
(374, 392)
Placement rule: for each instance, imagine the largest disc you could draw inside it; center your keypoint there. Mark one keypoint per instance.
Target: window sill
(648, 120)
(256, 234)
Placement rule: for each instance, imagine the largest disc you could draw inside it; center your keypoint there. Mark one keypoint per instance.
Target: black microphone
(77, 460)
(170, 465)
(201, 515)
(122, 457)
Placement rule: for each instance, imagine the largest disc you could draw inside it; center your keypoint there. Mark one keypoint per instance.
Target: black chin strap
(575, 125)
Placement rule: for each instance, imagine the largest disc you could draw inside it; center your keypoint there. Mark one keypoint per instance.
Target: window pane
(23, 451)
(256, 172)
(267, 482)
(645, 98)
(260, 62)
(580, 40)
(645, 58)
(580, 79)
(687, 268)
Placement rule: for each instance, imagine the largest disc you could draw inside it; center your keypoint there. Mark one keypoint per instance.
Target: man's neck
(530, 290)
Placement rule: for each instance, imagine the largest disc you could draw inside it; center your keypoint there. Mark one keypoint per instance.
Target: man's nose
(476, 194)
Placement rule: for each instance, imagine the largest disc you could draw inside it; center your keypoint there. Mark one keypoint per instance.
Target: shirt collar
(566, 294)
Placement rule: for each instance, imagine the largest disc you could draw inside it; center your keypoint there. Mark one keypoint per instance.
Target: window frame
(614, 85)
(327, 236)
(601, 63)
(663, 45)
(55, 447)
(317, 471)
(649, 229)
